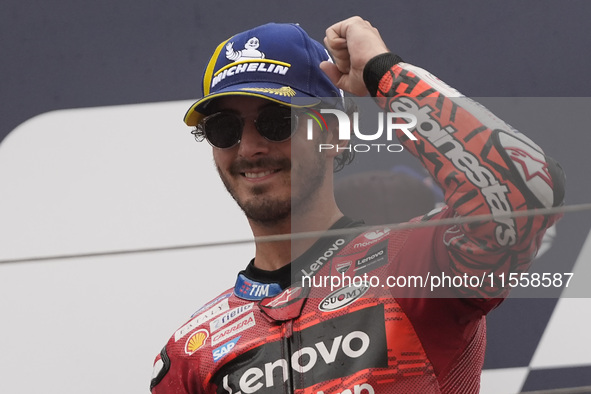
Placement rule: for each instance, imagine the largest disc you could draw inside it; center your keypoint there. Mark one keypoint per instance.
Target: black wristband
(375, 69)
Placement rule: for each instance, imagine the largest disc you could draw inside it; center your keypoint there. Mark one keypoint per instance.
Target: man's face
(267, 179)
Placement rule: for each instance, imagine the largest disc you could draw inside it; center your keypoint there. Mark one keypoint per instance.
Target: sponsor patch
(226, 348)
(248, 59)
(531, 166)
(196, 341)
(343, 267)
(376, 257)
(284, 298)
(287, 305)
(372, 237)
(250, 51)
(211, 303)
(217, 309)
(229, 316)
(329, 350)
(326, 256)
(342, 297)
(229, 331)
(251, 290)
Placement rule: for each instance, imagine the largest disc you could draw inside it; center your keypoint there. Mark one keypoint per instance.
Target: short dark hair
(346, 156)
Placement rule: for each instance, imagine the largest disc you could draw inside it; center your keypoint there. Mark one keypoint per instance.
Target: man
(273, 332)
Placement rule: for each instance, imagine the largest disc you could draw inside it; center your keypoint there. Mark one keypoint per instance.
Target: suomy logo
(344, 122)
(342, 297)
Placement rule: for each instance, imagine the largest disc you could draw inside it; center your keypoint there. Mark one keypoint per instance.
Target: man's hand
(352, 43)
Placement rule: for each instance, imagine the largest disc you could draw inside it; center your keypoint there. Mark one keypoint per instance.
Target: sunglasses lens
(275, 123)
(223, 130)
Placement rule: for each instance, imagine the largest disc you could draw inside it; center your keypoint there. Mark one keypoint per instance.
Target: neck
(274, 255)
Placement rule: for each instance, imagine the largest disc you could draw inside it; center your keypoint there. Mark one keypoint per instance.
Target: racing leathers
(280, 332)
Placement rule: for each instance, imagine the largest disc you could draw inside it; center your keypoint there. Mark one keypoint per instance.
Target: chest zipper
(286, 349)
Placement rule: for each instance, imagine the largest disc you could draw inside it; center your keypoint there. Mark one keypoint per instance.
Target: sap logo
(352, 345)
(226, 348)
(364, 388)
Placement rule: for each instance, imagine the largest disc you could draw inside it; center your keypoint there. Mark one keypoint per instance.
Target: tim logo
(246, 288)
(250, 290)
(387, 123)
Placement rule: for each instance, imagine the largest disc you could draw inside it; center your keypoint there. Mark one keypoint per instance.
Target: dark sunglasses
(223, 129)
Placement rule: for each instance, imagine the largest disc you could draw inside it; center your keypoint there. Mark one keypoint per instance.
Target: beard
(305, 179)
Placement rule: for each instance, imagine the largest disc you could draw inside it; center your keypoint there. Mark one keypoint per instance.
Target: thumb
(332, 71)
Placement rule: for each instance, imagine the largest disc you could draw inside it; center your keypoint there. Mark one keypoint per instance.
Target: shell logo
(196, 341)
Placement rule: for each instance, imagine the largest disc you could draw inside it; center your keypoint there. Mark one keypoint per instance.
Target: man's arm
(483, 165)
(170, 373)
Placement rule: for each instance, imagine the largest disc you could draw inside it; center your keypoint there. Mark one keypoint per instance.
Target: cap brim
(270, 91)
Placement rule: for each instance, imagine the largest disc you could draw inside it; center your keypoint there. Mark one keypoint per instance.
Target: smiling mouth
(255, 175)
(260, 168)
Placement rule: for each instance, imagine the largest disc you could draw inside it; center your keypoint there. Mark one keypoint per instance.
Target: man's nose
(252, 142)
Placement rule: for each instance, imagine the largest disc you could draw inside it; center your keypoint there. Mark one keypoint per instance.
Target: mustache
(243, 165)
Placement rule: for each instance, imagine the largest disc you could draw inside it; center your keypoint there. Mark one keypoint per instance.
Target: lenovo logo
(329, 350)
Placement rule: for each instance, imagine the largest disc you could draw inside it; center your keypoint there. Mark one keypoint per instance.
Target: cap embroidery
(250, 51)
(282, 91)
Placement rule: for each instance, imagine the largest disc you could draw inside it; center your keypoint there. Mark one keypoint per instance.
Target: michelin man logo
(250, 51)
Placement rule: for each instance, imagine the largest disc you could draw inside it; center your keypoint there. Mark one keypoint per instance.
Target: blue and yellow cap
(274, 61)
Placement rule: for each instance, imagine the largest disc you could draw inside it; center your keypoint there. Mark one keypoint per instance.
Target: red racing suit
(273, 333)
